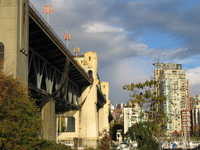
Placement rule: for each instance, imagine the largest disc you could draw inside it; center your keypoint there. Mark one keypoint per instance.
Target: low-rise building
(133, 115)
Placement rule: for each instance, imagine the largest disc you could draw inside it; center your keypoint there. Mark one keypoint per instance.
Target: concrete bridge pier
(49, 121)
(14, 29)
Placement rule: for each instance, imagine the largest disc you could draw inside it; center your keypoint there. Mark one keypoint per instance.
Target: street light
(76, 49)
(48, 9)
(66, 36)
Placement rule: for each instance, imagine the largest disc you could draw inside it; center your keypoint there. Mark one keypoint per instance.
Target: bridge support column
(49, 121)
(14, 30)
(89, 118)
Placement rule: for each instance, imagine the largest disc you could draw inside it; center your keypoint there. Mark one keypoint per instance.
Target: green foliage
(50, 145)
(90, 148)
(19, 121)
(143, 133)
(145, 96)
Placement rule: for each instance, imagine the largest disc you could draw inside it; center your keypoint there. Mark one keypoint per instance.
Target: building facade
(132, 116)
(173, 84)
(120, 106)
(195, 112)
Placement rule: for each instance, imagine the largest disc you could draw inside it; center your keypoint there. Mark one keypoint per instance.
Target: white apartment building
(133, 115)
(174, 85)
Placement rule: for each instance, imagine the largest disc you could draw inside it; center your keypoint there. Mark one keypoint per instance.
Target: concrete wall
(89, 113)
(68, 135)
(48, 121)
(14, 34)
(104, 112)
(14, 25)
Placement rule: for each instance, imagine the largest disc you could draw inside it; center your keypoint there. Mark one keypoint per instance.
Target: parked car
(123, 146)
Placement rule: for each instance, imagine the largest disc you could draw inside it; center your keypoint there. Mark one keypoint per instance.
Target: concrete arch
(66, 124)
(114, 130)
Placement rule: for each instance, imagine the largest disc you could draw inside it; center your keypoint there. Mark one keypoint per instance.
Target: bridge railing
(47, 25)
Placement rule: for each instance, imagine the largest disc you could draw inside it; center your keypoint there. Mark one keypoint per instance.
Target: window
(1, 51)
(174, 72)
(90, 73)
(1, 54)
(24, 13)
(158, 66)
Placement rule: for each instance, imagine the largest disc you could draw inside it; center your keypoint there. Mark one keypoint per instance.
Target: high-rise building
(173, 84)
(120, 106)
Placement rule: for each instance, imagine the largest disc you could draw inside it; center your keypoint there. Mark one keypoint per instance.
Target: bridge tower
(14, 16)
(89, 121)
(95, 111)
(104, 111)
(14, 50)
(92, 117)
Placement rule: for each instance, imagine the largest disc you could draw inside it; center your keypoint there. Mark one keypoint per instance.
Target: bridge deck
(45, 42)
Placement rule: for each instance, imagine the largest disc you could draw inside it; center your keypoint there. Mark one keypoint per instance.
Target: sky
(130, 35)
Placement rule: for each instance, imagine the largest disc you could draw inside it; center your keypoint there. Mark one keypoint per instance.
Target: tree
(105, 140)
(144, 95)
(142, 132)
(20, 123)
(19, 120)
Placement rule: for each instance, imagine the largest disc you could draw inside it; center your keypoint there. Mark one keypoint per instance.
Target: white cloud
(194, 81)
(123, 72)
(99, 27)
(175, 24)
(114, 33)
(194, 76)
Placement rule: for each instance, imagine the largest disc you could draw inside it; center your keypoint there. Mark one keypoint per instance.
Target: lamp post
(76, 49)
(74, 43)
(48, 9)
(67, 35)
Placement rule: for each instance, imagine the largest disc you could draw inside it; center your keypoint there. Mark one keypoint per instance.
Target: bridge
(74, 103)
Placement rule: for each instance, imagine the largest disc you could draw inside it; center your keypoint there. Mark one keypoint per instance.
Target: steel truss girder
(46, 80)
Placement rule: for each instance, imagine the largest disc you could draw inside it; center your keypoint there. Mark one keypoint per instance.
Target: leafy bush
(50, 145)
(142, 132)
(20, 124)
(19, 121)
